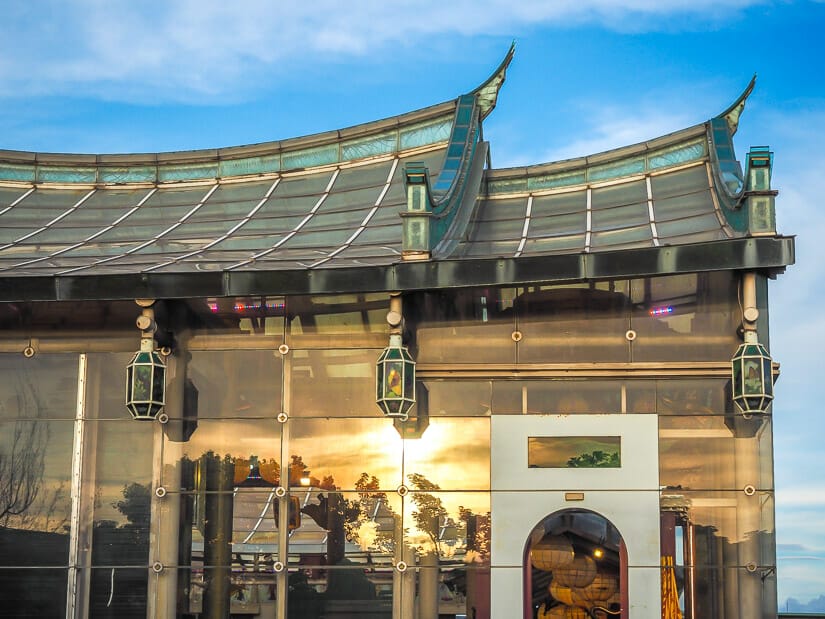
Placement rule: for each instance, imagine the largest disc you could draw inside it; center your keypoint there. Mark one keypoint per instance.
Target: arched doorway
(575, 567)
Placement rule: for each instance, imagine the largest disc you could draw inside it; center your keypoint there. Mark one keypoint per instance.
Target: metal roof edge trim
(771, 254)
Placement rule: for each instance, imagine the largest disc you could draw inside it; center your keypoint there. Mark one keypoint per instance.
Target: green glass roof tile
(551, 181)
(372, 146)
(19, 173)
(507, 185)
(249, 165)
(310, 157)
(677, 155)
(55, 174)
(130, 174)
(617, 169)
(178, 172)
(428, 133)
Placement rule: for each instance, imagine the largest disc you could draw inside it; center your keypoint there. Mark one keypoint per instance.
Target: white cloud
(203, 48)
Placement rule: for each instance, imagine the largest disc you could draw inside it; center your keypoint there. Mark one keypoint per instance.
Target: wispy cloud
(206, 48)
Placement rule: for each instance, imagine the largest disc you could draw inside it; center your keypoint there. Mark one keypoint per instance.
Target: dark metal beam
(767, 254)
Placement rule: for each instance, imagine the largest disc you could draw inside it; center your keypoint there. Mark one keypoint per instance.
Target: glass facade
(277, 488)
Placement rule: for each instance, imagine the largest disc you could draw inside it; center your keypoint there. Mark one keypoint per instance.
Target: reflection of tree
(597, 459)
(21, 468)
(429, 510)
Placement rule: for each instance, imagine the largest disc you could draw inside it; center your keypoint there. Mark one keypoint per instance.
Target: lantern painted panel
(145, 385)
(395, 379)
(751, 374)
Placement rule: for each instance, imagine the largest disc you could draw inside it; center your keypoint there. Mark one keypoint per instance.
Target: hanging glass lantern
(752, 376)
(395, 379)
(145, 382)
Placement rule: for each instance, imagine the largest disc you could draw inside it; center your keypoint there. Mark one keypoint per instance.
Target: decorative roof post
(416, 220)
(759, 197)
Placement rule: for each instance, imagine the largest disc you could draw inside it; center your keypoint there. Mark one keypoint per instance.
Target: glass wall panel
(337, 452)
(468, 326)
(41, 387)
(345, 529)
(453, 590)
(705, 453)
(245, 443)
(333, 383)
(726, 528)
(452, 454)
(32, 592)
(338, 321)
(117, 592)
(235, 384)
(569, 324)
(459, 398)
(35, 492)
(684, 397)
(557, 396)
(453, 526)
(692, 317)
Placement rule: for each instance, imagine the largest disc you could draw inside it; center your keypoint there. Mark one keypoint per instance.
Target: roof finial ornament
(487, 93)
(732, 114)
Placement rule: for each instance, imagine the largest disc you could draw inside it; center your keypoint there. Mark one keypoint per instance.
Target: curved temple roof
(332, 202)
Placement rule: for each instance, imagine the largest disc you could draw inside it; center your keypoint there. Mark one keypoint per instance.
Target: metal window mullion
(281, 582)
(76, 487)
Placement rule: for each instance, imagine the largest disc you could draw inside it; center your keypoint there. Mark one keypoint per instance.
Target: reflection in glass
(32, 592)
(236, 383)
(586, 452)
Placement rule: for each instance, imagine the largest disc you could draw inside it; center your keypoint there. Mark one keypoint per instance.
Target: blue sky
(117, 76)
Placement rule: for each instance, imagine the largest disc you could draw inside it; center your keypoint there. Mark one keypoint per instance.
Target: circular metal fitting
(401, 566)
(280, 491)
(144, 323)
(403, 490)
(160, 492)
(28, 352)
(751, 566)
(394, 318)
(630, 335)
(165, 351)
(283, 349)
(145, 302)
(751, 314)
(163, 418)
(157, 567)
(282, 417)
(516, 336)
(749, 490)
(278, 566)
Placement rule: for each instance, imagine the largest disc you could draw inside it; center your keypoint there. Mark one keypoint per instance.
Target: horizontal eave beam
(767, 254)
